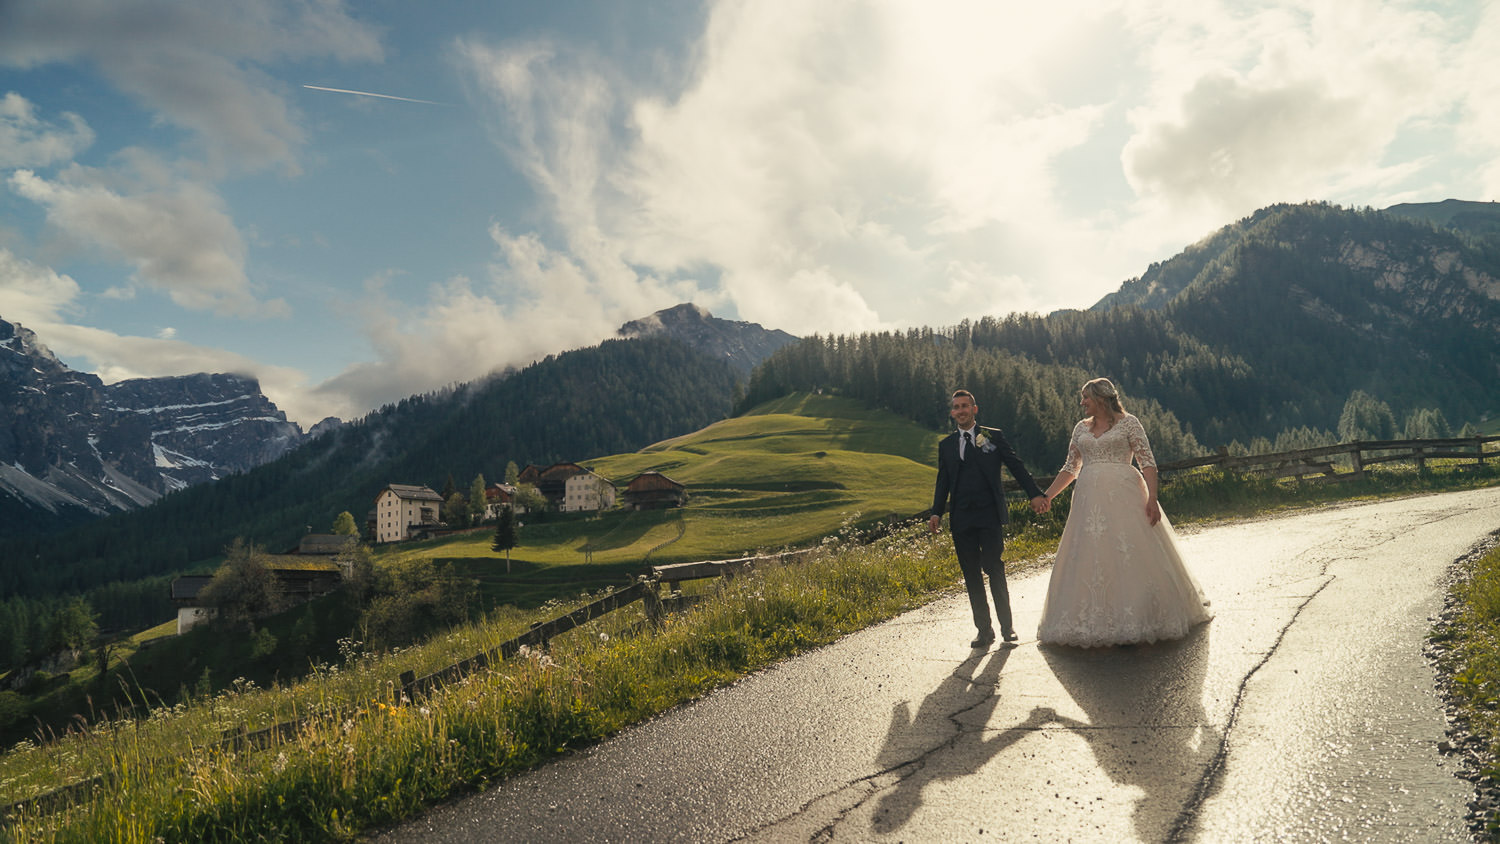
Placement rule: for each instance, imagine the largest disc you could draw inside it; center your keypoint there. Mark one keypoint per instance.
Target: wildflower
(604, 637)
(348, 726)
(280, 764)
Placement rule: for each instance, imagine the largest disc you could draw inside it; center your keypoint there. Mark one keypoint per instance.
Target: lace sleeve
(1075, 457)
(1139, 445)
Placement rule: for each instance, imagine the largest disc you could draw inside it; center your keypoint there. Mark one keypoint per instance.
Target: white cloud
(1281, 102)
(175, 232)
(27, 141)
(535, 302)
(1476, 75)
(194, 64)
(32, 294)
(823, 168)
(114, 357)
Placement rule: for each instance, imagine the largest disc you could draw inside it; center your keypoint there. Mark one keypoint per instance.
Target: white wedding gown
(1117, 579)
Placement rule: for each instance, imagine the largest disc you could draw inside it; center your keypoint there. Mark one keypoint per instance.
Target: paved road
(1303, 712)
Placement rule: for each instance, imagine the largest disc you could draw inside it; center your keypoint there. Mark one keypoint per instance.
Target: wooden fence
(1322, 463)
(647, 588)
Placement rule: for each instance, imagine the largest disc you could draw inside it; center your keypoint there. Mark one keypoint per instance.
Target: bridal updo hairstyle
(1104, 390)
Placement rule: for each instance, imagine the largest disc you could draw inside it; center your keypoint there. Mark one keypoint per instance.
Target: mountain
(1481, 219)
(1437, 258)
(1315, 301)
(1267, 327)
(742, 345)
(72, 447)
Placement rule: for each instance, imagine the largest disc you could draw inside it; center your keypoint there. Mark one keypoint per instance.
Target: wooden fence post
(1416, 453)
(1354, 458)
(1479, 449)
(652, 600)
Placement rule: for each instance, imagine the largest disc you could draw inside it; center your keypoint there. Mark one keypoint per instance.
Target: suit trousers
(978, 548)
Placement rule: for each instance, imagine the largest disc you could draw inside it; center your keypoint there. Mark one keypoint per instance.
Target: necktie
(968, 444)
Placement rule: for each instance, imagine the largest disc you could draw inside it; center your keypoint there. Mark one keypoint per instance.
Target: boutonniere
(984, 443)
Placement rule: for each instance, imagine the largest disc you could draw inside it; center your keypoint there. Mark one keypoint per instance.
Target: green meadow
(783, 476)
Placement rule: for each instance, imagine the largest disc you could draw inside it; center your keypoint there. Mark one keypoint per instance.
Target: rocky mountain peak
(22, 341)
(741, 344)
(70, 442)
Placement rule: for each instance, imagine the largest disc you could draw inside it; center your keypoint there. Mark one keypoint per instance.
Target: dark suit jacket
(986, 461)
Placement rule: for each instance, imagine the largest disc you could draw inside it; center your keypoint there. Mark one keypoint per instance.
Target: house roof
(500, 492)
(323, 543)
(586, 473)
(652, 480)
(561, 471)
(409, 492)
(187, 587)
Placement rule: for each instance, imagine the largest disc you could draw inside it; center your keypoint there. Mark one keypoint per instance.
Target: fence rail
(1319, 462)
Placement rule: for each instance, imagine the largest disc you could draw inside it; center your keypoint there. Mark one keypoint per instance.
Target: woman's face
(1091, 406)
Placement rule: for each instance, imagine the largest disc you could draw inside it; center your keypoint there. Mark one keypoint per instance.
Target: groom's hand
(1040, 505)
(934, 522)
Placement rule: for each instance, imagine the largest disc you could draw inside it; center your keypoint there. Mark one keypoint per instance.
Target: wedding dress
(1117, 578)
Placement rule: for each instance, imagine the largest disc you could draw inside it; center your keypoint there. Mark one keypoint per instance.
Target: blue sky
(175, 198)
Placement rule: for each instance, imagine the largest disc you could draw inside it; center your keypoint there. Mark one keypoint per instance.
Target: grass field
(783, 476)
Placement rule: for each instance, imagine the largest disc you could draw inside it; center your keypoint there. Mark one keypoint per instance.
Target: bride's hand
(1153, 512)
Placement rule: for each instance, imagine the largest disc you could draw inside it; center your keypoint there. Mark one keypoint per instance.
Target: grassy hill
(783, 475)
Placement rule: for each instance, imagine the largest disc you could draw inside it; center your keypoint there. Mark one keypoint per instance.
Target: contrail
(368, 94)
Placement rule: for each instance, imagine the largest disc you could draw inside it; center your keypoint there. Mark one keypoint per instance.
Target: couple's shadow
(1144, 722)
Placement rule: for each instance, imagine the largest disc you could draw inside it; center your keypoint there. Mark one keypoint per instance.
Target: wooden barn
(654, 491)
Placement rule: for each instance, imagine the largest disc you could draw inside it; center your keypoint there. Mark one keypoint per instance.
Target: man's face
(963, 410)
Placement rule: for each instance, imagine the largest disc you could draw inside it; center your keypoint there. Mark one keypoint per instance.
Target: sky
(358, 202)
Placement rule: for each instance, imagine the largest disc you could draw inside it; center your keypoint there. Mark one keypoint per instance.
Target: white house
(587, 491)
(400, 507)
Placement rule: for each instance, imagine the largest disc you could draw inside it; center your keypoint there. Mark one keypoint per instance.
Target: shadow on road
(940, 742)
(1145, 721)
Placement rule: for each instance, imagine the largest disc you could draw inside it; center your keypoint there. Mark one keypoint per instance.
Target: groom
(968, 483)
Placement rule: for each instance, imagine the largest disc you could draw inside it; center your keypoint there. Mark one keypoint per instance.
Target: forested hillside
(1269, 326)
(615, 397)
(912, 374)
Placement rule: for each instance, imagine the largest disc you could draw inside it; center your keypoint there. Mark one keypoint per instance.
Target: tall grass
(367, 757)
(1466, 646)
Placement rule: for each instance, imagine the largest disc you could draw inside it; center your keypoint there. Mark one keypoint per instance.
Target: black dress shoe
(984, 639)
(1011, 636)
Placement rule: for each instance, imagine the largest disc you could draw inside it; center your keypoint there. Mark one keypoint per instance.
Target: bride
(1119, 577)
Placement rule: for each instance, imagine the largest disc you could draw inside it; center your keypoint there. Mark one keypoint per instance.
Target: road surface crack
(1215, 767)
